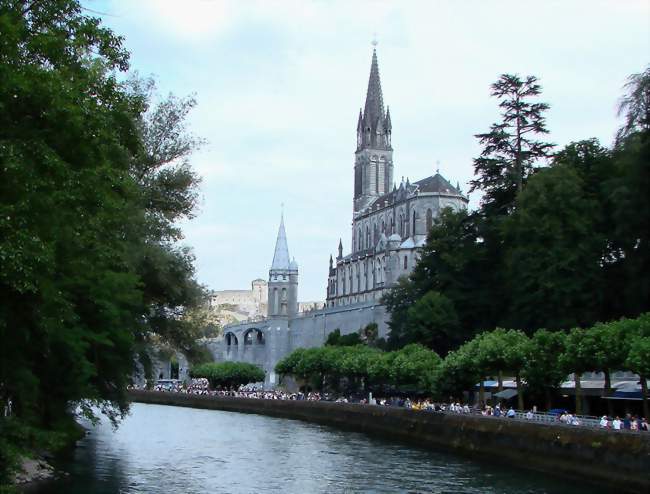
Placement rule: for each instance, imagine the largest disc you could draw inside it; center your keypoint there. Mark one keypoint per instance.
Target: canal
(183, 450)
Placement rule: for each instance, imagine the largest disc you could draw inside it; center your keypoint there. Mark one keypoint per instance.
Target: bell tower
(283, 279)
(373, 164)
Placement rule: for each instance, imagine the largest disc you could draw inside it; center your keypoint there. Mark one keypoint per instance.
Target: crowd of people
(201, 386)
(629, 422)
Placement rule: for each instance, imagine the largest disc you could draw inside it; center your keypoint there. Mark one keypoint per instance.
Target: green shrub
(228, 374)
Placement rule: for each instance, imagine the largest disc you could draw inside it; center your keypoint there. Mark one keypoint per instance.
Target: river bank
(620, 460)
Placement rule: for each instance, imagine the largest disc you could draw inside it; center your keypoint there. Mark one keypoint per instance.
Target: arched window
(367, 237)
(429, 220)
(359, 239)
(400, 224)
(248, 337)
(413, 224)
(383, 227)
(406, 262)
(375, 237)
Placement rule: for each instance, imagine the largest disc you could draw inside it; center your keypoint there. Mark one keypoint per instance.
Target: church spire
(281, 254)
(374, 109)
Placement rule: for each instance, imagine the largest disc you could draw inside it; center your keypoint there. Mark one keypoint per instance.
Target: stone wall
(281, 336)
(620, 459)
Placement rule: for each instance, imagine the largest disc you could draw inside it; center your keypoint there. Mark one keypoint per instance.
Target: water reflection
(182, 450)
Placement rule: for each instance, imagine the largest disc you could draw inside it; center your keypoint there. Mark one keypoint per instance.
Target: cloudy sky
(279, 85)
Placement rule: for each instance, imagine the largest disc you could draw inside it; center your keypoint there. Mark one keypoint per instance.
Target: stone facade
(388, 226)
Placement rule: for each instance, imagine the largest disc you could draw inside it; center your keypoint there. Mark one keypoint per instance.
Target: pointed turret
(360, 122)
(389, 124)
(374, 109)
(283, 279)
(340, 249)
(281, 254)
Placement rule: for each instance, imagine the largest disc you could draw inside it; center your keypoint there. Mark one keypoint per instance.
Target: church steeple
(374, 109)
(281, 253)
(373, 169)
(283, 279)
(373, 125)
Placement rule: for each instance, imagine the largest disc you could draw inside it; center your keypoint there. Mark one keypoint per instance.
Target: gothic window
(413, 226)
(405, 262)
(367, 237)
(375, 237)
(399, 225)
(429, 220)
(383, 227)
(359, 239)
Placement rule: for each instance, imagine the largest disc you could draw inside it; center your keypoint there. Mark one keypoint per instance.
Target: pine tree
(510, 148)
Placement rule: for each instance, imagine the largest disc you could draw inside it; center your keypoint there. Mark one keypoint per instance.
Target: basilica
(389, 227)
(389, 222)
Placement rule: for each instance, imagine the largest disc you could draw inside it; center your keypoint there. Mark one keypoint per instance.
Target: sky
(279, 85)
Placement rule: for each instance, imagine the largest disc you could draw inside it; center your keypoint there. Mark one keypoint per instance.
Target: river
(166, 449)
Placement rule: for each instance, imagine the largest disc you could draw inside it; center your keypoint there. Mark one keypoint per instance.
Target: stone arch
(254, 336)
(231, 339)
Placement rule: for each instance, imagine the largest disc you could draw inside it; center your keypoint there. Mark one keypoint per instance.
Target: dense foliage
(553, 246)
(359, 368)
(228, 374)
(93, 181)
(539, 363)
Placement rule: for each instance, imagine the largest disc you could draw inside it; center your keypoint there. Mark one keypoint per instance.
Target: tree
(510, 148)
(70, 299)
(635, 105)
(543, 370)
(89, 264)
(577, 358)
(638, 361)
(453, 263)
(336, 339)
(433, 322)
(228, 374)
(553, 252)
(413, 365)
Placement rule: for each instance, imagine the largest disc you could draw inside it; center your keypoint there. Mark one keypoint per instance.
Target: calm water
(183, 450)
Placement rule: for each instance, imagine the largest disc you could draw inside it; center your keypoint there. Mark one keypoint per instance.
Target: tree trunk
(578, 389)
(608, 392)
(644, 394)
(549, 399)
(520, 393)
(481, 393)
(500, 381)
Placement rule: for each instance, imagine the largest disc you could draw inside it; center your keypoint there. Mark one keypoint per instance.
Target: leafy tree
(336, 339)
(433, 322)
(458, 372)
(638, 361)
(510, 148)
(228, 374)
(413, 365)
(89, 265)
(553, 253)
(453, 263)
(70, 300)
(578, 358)
(543, 370)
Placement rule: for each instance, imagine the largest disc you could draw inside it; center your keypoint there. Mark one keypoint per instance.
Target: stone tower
(373, 166)
(283, 279)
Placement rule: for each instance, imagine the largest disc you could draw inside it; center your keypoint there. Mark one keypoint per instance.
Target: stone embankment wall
(620, 459)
